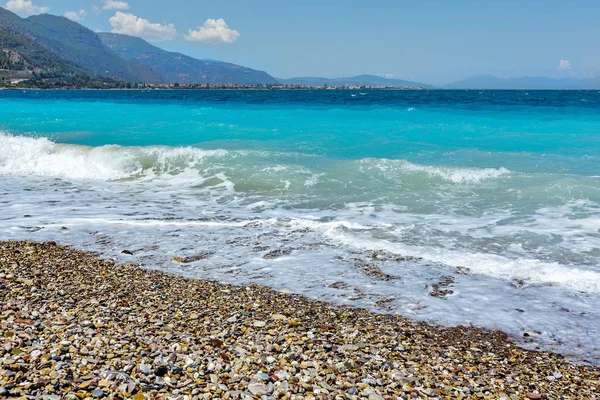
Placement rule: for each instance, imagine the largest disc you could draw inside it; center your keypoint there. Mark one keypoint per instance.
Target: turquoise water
(533, 132)
(497, 192)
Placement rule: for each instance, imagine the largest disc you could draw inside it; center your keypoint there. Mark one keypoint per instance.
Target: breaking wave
(20, 155)
(39, 156)
(450, 174)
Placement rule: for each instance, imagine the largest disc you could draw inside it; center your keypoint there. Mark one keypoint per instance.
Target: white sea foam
(530, 271)
(156, 222)
(312, 180)
(22, 155)
(39, 156)
(451, 174)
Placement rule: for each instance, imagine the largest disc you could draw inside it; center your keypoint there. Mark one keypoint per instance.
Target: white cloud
(389, 75)
(25, 7)
(115, 5)
(565, 65)
(76, 15)
(129, 24)
(213, 31)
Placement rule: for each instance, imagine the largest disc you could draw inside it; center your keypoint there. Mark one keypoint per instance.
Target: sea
(475, 208)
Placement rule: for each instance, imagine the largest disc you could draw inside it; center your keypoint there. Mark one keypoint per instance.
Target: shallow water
(454, 207)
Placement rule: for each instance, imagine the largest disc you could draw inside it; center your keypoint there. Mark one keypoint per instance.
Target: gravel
(75, 326)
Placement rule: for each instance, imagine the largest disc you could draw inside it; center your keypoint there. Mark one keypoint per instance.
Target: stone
(93, 325)
(262, 376)
(98, 393)
(145, 369)
(258, 389)
(534, 396)
(217, 343)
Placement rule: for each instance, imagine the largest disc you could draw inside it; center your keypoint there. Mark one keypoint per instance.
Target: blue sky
(431, 41)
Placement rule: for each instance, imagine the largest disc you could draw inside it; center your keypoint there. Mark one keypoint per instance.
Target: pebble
(262, 376)
(94, 328)
(145, 369)
(534, 396)
(258, 389)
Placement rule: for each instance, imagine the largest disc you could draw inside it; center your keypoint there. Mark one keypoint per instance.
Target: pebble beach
(76, 326)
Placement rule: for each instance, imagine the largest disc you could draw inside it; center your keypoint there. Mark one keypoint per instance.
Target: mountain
(524, 83)
(21, 53)
(361, 80)
(179, 68)
(78, 47)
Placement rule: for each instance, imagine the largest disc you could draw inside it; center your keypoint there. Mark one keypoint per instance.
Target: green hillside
(177, 67)
(78, 47)
(54, 48)
(20, 53)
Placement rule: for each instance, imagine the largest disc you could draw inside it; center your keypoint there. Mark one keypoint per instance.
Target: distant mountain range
(481, 82)
(79, 48)
(179, 68)
(361, 80)
(48, 43)
(22, 53)
(524, 83)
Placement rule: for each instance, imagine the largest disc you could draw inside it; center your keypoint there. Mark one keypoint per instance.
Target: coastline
(344, 89)
(75, 325)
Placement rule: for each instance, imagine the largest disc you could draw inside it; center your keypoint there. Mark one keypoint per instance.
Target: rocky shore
(75, 326)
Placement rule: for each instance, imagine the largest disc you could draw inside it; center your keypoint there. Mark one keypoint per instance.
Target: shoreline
(76, 325)
(182, 89)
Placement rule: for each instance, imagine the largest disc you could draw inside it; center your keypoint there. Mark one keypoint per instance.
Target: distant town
(57, 84)
(284, 87)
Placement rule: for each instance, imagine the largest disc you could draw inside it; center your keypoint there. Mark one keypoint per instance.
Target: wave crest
(22, 155)
(39, 156)
(392, 168)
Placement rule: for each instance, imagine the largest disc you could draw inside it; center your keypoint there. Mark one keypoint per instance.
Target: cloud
(129, 24)
(25, 7)
(76, 15)
(565, 65)
(213, 31)
(389, 75)
(115, 5)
